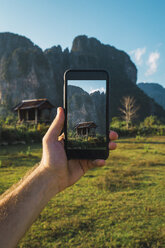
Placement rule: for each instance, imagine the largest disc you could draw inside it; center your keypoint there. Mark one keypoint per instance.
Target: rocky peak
(54, 49)
(84, 44)
(9, 42)
(90, 51)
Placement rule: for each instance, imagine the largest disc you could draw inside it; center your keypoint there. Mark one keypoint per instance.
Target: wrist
(48, 181)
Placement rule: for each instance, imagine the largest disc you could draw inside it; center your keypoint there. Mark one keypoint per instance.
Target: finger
(62, 136)
(113, 135)
(61, 139)
(98, 162)
(90, 164)
(112, 145)
(57, 125)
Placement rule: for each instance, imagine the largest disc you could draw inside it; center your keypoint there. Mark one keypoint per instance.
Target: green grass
(119, 205)
(86, 142)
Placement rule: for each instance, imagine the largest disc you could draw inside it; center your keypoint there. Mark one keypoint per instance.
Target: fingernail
(58, 110)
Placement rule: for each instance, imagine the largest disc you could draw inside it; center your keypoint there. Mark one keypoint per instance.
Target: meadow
(119, 205)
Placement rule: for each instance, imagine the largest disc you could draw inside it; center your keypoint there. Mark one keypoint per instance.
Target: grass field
(119, 205)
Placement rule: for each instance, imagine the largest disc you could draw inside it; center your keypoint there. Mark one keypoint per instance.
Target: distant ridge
(155, 91)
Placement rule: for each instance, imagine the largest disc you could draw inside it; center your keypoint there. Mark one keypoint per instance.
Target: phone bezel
(87, 75)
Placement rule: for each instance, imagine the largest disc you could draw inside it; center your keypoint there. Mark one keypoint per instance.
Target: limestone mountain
(27, 72)
(155, 91)
(24, 70)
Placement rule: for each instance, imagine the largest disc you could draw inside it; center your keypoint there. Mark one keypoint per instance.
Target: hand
(66, 172)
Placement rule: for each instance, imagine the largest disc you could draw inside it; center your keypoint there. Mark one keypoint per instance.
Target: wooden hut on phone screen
(86, 128)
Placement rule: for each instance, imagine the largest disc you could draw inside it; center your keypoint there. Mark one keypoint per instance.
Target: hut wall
(31, 114)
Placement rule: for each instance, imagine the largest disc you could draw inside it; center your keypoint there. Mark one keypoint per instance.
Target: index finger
(113, 135)
(57, 125)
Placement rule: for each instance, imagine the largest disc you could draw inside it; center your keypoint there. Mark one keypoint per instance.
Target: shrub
(11, 120)
(8, 134)
(21, 133)
(117, 123)
(42, 128)
(151, 120)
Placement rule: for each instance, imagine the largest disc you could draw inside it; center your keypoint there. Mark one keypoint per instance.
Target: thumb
(57, 125)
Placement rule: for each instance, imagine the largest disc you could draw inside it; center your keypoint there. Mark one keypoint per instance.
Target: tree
(128, 109)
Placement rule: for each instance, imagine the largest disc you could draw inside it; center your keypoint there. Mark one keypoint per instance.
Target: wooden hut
(35, 110)
(86, 128)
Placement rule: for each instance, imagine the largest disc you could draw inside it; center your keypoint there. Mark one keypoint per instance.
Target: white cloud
(138, 53)
(152, 63)
(94, 90)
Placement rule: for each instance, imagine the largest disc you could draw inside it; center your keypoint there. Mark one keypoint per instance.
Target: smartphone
(86, 105)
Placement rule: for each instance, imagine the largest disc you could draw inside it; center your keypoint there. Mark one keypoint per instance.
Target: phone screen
(86, 114)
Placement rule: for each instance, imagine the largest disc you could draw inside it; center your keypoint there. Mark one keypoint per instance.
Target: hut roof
(88, 124)
(34, 103)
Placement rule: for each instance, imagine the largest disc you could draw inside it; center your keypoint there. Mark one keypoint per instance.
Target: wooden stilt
(36, 116)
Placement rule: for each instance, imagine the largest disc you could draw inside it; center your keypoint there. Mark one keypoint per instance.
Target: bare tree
(128, 109)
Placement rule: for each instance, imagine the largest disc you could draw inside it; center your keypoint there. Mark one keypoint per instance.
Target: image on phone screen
(86, 114)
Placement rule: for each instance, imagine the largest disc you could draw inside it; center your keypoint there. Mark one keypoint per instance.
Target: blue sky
(89, 86)
(135, 26)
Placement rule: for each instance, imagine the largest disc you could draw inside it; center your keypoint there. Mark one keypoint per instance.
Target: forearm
(21, 207)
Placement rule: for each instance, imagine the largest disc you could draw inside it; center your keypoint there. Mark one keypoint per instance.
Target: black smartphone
(86, 104)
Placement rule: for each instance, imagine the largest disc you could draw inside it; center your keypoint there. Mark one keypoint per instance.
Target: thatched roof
(89, 124)
(34, 103)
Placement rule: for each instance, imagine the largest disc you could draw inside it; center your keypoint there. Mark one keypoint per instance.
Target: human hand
(66, 172)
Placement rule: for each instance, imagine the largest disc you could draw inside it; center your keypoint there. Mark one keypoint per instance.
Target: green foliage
(11, 120)
(86, 142)
(140, 138)
(71, 134)
(42, 128)
(117, 123)
(22, 133)
(138, 131)
(150, 121)
(10, 132)
(28, 152)
(150, 126)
